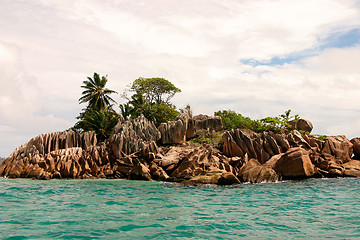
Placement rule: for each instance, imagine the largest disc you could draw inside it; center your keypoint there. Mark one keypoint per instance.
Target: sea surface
(124, 209)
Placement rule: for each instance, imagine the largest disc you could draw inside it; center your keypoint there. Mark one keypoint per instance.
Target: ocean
(124, 209)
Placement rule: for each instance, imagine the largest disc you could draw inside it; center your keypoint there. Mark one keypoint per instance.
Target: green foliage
(95, 92)
(280, 124)
(152, 99)
(100, 121)
(211, 138)
(154, 90)
(233, 120)
(162, 113)
(98, 116)
(320, 137)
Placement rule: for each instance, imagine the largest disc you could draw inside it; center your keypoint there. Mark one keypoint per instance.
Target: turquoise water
(122, 209)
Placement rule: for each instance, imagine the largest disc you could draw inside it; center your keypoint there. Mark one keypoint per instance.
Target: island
(138, 150)
(176, 146)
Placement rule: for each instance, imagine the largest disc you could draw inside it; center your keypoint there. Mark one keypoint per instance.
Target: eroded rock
(295, 163)
(208, 122)
(304, 125)
(254, 172)
(356, 147)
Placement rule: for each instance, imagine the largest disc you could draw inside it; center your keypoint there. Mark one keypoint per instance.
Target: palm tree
(95, 92)
(100, 121)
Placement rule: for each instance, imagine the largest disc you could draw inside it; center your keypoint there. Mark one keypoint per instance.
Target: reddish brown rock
(157, 173)
(339, 147)
(228, 178)
(189, 123)
(208, 122)
(204, 178)
(173, 132)
(254, 172)
(132, 136)
(304, 125)
(199, 161)
(140, 172)
(356, 147)
(295, 163)
(352, 168)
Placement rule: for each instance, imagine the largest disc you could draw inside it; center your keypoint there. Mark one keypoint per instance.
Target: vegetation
(95, 93)
(320, 137)
(206, 137)
(151, 97)
(98, 116)
(100, 121)
(280, 124)
(154, 90)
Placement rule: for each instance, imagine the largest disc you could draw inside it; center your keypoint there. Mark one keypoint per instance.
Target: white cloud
(195, 44)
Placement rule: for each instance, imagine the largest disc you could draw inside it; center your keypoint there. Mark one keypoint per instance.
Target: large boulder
(352, 168)
(171, 157)
(208, 122)
(173, 132)
(295, 163)
(356, 147)
(157, 173)
(254, 172)
(140, 172)
(200, 161)
(339, 147)
(218, 178)
(304, 125)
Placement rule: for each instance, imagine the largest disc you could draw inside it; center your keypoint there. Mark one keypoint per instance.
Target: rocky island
(137, 149)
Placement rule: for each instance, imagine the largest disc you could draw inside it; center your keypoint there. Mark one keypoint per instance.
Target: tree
(98, 116)
(101, 121)
(154, 90)
(95, 92)
(152, 99)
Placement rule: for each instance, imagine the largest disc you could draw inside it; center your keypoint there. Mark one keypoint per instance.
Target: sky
(256, 57)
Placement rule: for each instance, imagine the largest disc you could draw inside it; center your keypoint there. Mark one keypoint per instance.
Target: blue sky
(348, 39)
(258, 57)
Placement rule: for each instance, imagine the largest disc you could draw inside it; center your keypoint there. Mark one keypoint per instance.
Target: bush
(100, 121)
(162, 113)
(233, 120)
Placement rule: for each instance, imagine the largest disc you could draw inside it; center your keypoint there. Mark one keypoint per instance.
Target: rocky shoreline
(138, 150)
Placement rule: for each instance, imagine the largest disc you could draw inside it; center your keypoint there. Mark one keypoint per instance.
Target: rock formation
(356, 147)
(207, 122)
(254, 172)
(304, 125)
(184, 127)
(134, 136)
(137, 150)
(295, 163)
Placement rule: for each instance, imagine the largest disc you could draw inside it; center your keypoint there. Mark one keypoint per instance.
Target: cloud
(197, 45)
(20, 102)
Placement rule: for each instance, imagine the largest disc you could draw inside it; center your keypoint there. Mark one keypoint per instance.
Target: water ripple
(121, 209)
